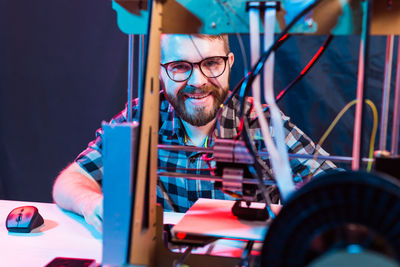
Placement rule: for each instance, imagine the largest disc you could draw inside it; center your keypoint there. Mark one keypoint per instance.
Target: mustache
(198, 90)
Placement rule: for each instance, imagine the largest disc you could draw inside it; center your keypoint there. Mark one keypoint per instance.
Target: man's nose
(197, 79)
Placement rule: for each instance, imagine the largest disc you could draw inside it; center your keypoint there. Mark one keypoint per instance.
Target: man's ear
(231, 59)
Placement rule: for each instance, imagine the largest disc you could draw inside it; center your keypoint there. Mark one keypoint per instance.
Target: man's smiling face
(197, 99)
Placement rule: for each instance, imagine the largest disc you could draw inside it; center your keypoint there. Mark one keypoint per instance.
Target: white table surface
(63, 234)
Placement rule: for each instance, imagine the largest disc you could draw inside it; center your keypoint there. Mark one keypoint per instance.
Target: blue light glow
(354, 249)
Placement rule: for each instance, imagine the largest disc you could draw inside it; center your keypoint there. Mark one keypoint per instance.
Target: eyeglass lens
(211, 67)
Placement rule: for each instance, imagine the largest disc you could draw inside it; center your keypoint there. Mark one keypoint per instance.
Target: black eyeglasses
(211, 67)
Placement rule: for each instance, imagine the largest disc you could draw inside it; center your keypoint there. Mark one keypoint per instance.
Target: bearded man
(194, 77)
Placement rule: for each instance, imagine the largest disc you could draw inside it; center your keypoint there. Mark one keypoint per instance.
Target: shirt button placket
(189, 183)
(193, 165)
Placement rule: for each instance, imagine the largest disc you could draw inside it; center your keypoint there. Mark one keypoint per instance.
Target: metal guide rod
(201, 177)
(357, 120)
(261, 153)
(134, 74)
(140, 61)
(361, 85)
(130, 76)
(254, 18)
(386, 92)
(396, 107)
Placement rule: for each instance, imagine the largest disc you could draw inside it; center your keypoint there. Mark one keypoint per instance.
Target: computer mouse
(23, 219)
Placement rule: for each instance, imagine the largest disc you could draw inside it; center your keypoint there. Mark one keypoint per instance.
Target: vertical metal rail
(361, 85)
(386, 92)
(130, 76)
(141, 39)
(135, 56)
(396, 107)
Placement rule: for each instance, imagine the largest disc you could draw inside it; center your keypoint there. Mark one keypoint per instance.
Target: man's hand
(92, 210)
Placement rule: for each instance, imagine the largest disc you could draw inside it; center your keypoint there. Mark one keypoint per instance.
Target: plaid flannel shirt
(184, 192)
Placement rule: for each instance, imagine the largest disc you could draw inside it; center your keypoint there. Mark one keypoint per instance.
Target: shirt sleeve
(299, 143)
(91, 159)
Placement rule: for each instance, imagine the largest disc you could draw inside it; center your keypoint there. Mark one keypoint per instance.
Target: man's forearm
(74, 191)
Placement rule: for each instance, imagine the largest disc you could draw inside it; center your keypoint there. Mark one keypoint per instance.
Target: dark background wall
(313, 103)
(63, 70)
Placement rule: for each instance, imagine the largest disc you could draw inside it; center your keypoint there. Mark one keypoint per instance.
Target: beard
(198, 115)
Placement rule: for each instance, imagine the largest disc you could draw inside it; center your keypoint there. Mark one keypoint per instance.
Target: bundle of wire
(278, 156)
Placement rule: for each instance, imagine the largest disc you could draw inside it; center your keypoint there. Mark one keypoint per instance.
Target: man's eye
(180, 67)
(211, 63)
